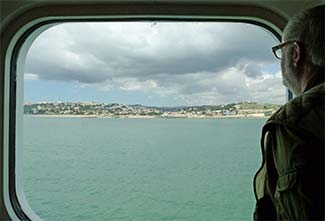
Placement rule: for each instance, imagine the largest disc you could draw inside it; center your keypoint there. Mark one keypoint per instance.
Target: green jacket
(290, 183)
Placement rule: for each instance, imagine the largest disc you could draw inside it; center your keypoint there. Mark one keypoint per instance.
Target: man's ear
(296, 54)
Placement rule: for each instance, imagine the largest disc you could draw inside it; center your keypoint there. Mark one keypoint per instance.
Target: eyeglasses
(277, 49)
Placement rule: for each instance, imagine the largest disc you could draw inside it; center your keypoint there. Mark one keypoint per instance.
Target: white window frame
(15, 201)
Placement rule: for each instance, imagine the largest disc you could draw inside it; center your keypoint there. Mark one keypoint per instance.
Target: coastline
(251, 116)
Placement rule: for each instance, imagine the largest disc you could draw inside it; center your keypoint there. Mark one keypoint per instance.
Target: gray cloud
(253, 70)
(187, 59)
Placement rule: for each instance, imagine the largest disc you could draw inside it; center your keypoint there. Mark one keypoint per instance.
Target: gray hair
(308, 27)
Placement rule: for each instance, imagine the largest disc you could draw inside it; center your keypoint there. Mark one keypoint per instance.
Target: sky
(154, 64)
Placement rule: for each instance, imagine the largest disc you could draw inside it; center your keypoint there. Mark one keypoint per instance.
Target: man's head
(303, 59)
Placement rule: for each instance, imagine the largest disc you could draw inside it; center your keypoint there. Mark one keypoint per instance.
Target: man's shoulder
(302, 105)
(304, 113)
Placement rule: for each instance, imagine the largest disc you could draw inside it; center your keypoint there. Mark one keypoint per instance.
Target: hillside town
(115, 110)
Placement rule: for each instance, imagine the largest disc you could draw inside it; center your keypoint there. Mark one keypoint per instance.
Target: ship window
(146, 120)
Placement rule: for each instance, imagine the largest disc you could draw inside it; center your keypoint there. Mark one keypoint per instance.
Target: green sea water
(141, 169)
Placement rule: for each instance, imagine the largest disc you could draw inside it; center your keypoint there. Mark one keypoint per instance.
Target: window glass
(146, 120)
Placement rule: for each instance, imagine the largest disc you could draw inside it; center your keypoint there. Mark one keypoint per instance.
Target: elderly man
(290, 183)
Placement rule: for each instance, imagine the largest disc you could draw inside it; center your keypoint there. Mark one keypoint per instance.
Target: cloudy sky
(154, 63)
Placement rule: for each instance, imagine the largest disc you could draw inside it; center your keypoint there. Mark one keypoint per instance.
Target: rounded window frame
(16, 205)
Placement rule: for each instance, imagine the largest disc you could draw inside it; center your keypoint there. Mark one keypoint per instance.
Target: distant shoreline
(138, 111)
(148, 117)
